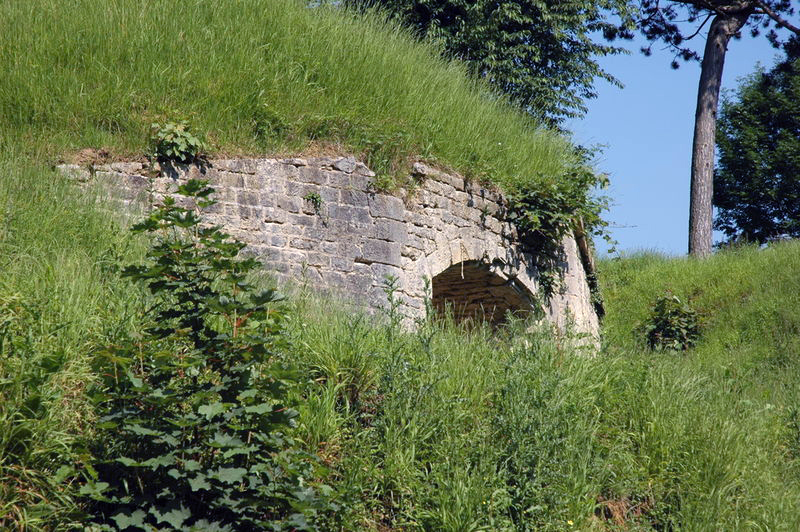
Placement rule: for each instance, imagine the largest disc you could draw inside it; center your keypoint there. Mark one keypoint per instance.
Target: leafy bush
(672, 325)
(195, 426)
(174, 142)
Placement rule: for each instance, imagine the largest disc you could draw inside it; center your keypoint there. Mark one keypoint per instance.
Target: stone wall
(321, 220)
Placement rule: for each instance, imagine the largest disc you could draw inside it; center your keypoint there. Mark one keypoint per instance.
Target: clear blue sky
(647, 129)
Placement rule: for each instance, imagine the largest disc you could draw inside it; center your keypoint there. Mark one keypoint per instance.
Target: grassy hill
(437, 429)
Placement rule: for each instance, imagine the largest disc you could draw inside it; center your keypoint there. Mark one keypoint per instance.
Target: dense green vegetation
(439, 428)
(756, 190)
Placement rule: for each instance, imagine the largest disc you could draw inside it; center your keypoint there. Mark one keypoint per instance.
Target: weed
(315, 200)
(174, 142)
(672, 325)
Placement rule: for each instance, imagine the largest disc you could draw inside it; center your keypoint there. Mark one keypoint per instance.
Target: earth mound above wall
(320, 220)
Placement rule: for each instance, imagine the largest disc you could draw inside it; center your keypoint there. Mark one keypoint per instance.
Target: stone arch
(356, 236)
(474, 290)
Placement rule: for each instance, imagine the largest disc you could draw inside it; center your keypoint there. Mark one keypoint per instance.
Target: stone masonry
(321, 220)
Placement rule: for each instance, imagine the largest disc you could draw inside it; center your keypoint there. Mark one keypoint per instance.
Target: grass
(719, 419)
(441, 428)
(266, 76)
(435, 429)
(59, 298)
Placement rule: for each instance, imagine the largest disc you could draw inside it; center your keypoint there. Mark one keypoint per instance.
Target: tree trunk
(705, 125)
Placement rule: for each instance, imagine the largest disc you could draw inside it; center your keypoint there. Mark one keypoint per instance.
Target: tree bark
(705, 125)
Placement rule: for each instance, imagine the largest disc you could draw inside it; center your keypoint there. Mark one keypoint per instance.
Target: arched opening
(471, 291)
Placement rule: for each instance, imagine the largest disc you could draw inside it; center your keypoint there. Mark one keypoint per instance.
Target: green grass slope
(720, 420)
(262, 76)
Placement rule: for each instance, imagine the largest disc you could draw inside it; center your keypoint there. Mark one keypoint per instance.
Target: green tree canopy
(757, 182)
(541, 53)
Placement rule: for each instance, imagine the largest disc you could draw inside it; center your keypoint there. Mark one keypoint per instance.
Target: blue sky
(647, 129)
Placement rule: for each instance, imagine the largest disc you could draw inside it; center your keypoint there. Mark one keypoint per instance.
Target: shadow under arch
(472, 291)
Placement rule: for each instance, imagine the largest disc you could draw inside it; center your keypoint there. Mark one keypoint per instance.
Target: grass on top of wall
(256, 77)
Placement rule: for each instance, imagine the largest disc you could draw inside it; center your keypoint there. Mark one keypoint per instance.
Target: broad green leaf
(134, 519)
(214, 409)
(199, 482)
(174, 516)
(230, 475)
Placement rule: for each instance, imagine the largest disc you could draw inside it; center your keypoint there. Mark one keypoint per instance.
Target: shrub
(672, 325)
(174, 142)
(195, 429)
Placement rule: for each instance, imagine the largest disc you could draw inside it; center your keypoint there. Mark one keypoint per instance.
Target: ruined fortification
(322, 220)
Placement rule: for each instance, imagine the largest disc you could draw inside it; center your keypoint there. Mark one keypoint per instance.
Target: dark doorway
(473, 293)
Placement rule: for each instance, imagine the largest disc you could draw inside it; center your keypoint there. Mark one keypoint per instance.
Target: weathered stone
(242, 166)
(391, 230)
(384, 206)
(359, 215)
(346, 165)
(74, 171)
(127, 168)
(290, 204)
(446, 231)
(355, 198)
(380, 251)
(362, 170)
(309, 174)
(295, 162)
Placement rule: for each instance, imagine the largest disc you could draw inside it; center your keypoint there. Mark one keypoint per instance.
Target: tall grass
(258, 76)
(59, 297)
(712, 431)
(439, 428)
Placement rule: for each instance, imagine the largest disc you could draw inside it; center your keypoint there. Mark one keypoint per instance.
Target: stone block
(380, 251)
(255, 182)
(318, 259)
(315, 176)
(289, 204)
(354, 198)
(363, 170)
(302, 244)
(74, 171)
(239, 166)
(274, 215)
(381, 271)
(385, 206)
(296, 161)
(248, 198)
(345, 164)
(319, 233)
(302, 220)
(355, 215)
(230, 180)
(360, 182)
(342, 264)
(391, 230)
(127, 168)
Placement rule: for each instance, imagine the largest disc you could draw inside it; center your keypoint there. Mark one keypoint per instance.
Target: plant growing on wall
(175, 142)
(194, 432)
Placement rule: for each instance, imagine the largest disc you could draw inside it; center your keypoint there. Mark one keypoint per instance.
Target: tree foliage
(541, 53)
(678, 22)
(757, 183)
